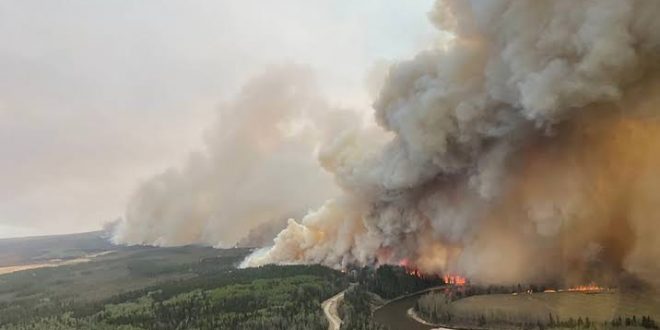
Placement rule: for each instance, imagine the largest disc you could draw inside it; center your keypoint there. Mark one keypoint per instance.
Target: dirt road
(330, 310)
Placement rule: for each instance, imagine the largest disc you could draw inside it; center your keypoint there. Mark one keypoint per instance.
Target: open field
(600, 310)
(47, 249)
(52, 263)
(598, 307)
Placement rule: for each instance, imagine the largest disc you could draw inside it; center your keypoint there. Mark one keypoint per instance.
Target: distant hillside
(20, 251)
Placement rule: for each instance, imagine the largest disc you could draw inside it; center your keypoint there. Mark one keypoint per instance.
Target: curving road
(330, 310)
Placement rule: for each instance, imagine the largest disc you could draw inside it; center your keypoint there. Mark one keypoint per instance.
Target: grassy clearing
(43, 249)
(541, 310)
(598, 307)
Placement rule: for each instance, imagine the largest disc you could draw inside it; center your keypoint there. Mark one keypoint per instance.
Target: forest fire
(587, 288)
(455, 280)
(413, 272)
(449, 279)
(410, 269)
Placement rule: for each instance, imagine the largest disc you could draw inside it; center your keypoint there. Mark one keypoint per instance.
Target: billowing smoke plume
(523, 149)
(263, 234)
(258, 166)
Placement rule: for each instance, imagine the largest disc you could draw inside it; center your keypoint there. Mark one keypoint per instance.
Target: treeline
(554, 322)
(645, 322)
(393, 281)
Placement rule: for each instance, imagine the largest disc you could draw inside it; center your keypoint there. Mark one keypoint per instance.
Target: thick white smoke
(510, 144)
(258, 166)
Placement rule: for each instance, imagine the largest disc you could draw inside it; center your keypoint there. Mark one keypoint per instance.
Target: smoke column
(258, 167)
(525, 148)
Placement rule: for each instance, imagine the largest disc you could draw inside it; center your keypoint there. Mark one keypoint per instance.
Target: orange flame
(592, 287)
(413, 272)
(410, 269)
(455, 280)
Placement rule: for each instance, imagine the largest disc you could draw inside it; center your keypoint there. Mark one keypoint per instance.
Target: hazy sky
(96, 96)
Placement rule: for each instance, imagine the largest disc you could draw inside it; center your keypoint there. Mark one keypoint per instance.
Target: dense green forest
(191, 287)
(393, 281)
(84, 287)
(272, 297)
(171, 288)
